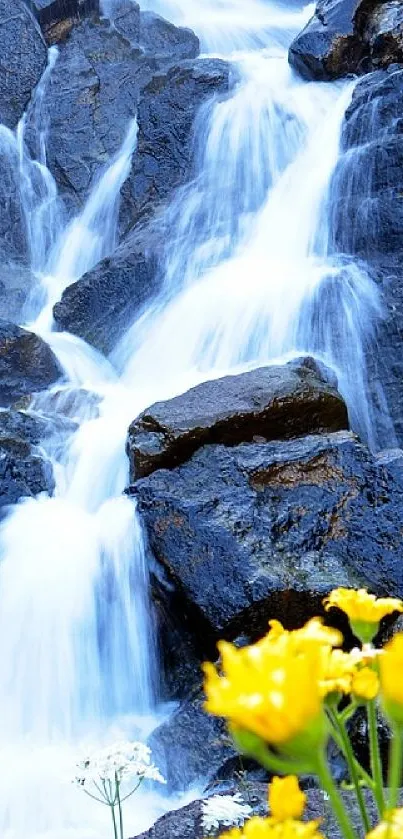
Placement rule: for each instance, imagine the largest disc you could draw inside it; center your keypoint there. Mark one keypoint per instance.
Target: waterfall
(250, 277)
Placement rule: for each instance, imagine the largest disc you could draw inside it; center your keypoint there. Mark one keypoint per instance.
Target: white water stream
(249, 279)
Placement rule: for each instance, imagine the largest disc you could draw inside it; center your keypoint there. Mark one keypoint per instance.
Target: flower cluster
(282, 696)
(118, 762)
(224, 810)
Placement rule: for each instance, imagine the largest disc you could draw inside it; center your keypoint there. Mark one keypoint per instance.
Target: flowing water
(250, 277)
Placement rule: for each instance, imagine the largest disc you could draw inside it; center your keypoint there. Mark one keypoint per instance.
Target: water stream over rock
(250, 277)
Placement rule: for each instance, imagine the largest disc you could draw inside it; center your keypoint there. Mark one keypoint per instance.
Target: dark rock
(103, 303)
(23, 59)
(180, 652)
(167, 110)
(271, 403)
(349, 36)
(192, 746)
(367, 215)
(101, 80)
(56, 17)
(24, 469)
(262, 531)
(27, 363)
(162, 40)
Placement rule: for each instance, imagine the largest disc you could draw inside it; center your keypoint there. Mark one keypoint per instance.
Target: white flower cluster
(227, 810)
(121, 761)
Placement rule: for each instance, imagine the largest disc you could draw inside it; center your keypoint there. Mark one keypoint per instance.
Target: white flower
(118, 762)
(225, 810)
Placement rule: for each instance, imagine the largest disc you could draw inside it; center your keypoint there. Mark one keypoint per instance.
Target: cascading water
(249, 278)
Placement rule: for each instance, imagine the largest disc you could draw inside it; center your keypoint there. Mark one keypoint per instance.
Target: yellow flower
(338, 670)
(269, 688)
(267, 828)
(390, 828)
(286, 799)
(365, 683)
(313, 631)
(363, 610)
(390, 670)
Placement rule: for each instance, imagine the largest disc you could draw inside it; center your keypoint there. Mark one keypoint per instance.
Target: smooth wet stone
(23, 59)
(270, 403)
(349, 36)
(265, 530)
(27, 364)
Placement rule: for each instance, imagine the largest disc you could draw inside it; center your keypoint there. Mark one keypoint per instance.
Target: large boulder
(366, 219)
(270, 403)
(348, 36)
(264, 530)
(27, 364)
(23, 59)
(25, 471)
(102, 304)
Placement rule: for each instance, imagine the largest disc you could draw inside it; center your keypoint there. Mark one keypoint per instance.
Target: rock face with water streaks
(24, 469)
(349, 36)
(264, 530)
(367, 221)
(57, 17)
(101, 79)
(27, 364)
(23, 59)
(268, 403)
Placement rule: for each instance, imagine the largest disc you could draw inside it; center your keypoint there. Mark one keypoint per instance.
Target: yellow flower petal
(270, 688)
(390, 828)
(390, 670)
(286, 799)
(365, 683)
(268, 828)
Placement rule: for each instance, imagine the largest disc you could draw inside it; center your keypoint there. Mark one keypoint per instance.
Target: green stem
(376, 764)
(119, 807)
(336, 801)
(395, 766)
(359, 769)
(115, 830)
(352, 768)
(348, 712)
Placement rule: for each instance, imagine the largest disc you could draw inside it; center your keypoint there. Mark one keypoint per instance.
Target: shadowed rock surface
(368, 221)
(23, 59)
(349, 36)
(271, 403)
(27, 363)
(25, 471)
(264, 530)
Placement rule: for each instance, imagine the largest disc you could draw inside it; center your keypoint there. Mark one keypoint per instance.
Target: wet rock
(27, 364)
(271, 403)
(192, 747)
(264, 530)
(102, 304)
(367, 215)
(23, 59)
(349, 36)
(25, 470)
(56, 17)
(167, 111)
(101, 80)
